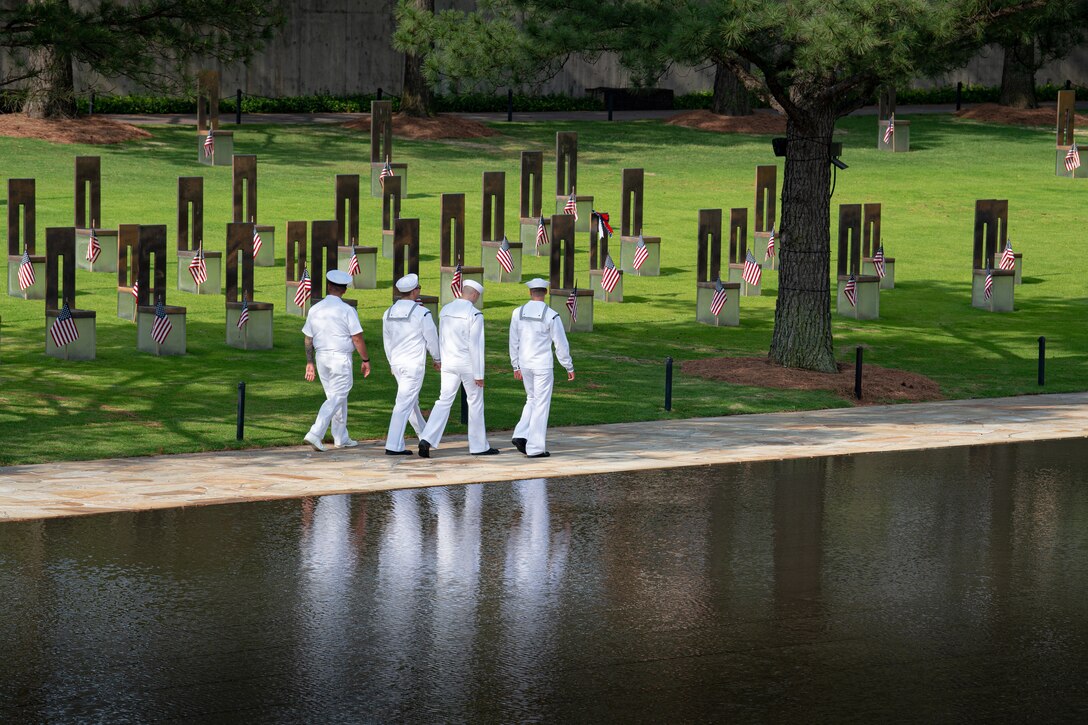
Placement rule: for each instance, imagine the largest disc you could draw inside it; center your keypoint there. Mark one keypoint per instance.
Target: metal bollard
(379, 94)
(959, 94)
(464, 405)
(509, 105)
(668, 383)
(241, 411)
(238, 108)
(1042, 361)
(857, 374)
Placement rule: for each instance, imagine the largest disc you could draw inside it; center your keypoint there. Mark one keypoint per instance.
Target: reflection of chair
(152, 289)
(60, 245)
(23, 236)
(708, 273)
(256, 334)
(562, 281)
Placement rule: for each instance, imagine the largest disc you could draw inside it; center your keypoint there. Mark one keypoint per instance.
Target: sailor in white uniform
(534, 329)
(332, 333)
(408, 334)
(461, 339)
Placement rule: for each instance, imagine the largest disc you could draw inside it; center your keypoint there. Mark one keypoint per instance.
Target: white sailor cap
(473, 284)
(338, 277)
(408, 282)
(537, 283)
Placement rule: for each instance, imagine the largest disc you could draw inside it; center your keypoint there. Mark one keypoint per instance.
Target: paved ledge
(125, 484)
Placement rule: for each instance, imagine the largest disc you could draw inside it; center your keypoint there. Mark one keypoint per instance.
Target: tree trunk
(730, 96)
(416, 96)
(802, 316)
(1018, 75)
(51, 90)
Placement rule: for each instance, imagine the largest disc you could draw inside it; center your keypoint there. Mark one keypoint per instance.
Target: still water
(927, 586)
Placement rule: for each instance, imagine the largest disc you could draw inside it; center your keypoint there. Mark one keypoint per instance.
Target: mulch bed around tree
(760, 122)
(429, 129)
(88, 130)
(879, 385)
(993, 113)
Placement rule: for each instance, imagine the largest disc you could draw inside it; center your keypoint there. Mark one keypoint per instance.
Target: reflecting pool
(934, 585)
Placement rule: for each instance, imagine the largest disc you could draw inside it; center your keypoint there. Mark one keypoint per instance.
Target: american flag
(770, 244)
(162, 327)
(988, 289)
(199, 268)
(136, 290)
(604, 229)
(504, 258)
(541, 233)
(26, 272)
(63, 330)
(93, 248)
(642, 253)
(243, 317)
(878, 262)
(209, 145)
(572, 305)
(386, 171)
(610, 277)
(720, 296)
(456, 284)
(1072, 158)
(850, 291)
(752, 272)
(256, 242)
(572, 205)
(303, 292)
(353, 264)
(1008, 259)
(890, 131)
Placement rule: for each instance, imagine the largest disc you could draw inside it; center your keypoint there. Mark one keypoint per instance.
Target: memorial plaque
(190, 240)
(151, 281)
(296, 267)
(256, 334)
(991, 233)
(708, 269)
(128, 268)
(60, 288)
(406, 258)
(766, 215)
(866, 304)
(870, 243)
(452, 245)
(738, 251)
(562, 281)
(598, 253)
(22, 236)
(390, 213)
(88, 218)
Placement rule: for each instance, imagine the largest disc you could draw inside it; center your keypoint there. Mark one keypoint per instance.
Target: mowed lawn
(129, 403)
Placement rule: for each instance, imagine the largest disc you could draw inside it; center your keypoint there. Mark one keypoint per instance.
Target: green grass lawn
(128, 403)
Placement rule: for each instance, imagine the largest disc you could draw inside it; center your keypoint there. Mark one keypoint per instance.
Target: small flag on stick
(243, 316)
(198, 268)
(541, 233)
(257, 243)
(988, 288)
(572, 305)
(209, 145)
(162, 327)
(63, 330)
(642, 253)
(136, 290)
(890, 130)
(1008, 259)
(1072, 158)
(457, 283)
(610, 277)
(94, 248)
(571, 206)
(26, 272)
(878, 262)
(386, 172)
(303, 292)
(850, 291)
(752, 272)
(353, 264)
(770, 245)
(721, 295)
(504, 258)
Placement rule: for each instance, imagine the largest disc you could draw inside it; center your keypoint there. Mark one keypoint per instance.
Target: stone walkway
(68, 489)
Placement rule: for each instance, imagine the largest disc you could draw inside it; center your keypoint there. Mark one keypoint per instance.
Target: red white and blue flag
(720, 297)
(571, 206)
(303, 292)
(1008, 259)
(642, 253)
(63, 330)
(94, 248)
(386, 172)
(199, 268)
(604, 229)
(890, 130)
(878, 262)
(1072, 158)
(26, 272)
(504, 258)
(610, 276)
(209, 145)
(243, 317)
(850, 291)
(162, 327)
(457, 283)
(752, 272)
(988, 288)
(257, 243)
(770, 244)
(541, 233)
(572, 305)
(136, 289)
(353, 264)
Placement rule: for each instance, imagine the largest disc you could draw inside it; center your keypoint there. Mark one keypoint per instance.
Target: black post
(509, 105)
(608, 96)
(379, 94)
(857, 375)
(1068, 84)
(668, 383)
(238, 108)
(959, 94)
(464, 405)
(241, 410)
(1042, 361)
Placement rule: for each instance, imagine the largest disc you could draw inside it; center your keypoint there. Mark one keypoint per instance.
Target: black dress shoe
(405, 452)
(488, 452)
(545, 454)
(424, 449)
(519, 443)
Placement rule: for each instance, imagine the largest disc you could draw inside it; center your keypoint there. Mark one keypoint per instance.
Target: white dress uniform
(461, 339)
(331, 323)
(534, 328)
(408, 334)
